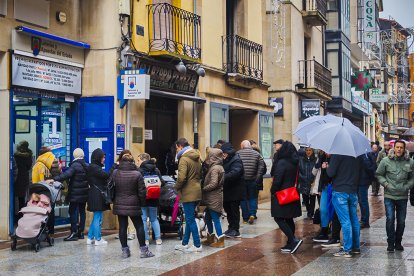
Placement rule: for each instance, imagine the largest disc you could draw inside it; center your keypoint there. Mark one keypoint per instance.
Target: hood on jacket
(192, 154)
(214, 157)
(148, 166)
(97, 156)
(288, 151)
(47, 159)
(391, 155)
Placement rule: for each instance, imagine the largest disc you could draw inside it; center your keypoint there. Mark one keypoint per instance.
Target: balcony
(403, 123)
(314, 12)
(315, 80)
(174, 32)
(242, 61)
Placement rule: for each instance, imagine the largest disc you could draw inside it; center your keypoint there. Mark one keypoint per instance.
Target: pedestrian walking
(345, 173)
(254, 169)
(306, 178)
(97, 180)
(286, 176)
(77, 194)
(130, 193)
(375, 184)
(148, 169)
(188, 187)
(212, 197)
(384, 152)
(23, 160)
(234, 189)
(367, 176)
(395, 174)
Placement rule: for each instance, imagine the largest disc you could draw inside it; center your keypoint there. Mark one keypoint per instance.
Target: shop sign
(361, 80)
(277, 104)
(136, 87)
(165, 77)
(310, 108)
(46, 75)
(359, 103)
(47, 48)
(120, 138)
(376, 96)
(370, 21)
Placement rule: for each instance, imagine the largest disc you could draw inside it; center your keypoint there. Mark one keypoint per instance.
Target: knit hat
(78, 153)
(227, 148)
(280, 141)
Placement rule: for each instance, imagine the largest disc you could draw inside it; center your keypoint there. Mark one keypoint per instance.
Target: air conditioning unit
(124, 7)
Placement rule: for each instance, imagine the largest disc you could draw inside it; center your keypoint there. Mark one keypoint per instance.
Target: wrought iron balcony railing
(314, 12)
(174, 30)
(403, 122)
(313, 75)
(242, 56)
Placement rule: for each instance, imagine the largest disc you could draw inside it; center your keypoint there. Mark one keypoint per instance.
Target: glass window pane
(266, 135)
(219, 124)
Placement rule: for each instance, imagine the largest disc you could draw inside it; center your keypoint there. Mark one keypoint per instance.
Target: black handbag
(108, 194)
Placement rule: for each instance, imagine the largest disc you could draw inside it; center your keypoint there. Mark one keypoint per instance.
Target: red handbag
(288, 195)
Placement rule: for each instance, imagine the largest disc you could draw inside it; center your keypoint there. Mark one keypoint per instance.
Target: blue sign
(120, 138)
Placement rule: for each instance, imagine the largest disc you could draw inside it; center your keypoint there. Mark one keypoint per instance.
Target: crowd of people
(230, 181)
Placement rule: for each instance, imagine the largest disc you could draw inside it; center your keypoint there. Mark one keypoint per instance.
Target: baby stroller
(168, 198)
(32, 227)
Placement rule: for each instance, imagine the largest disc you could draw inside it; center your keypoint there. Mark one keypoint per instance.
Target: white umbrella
(339, 138)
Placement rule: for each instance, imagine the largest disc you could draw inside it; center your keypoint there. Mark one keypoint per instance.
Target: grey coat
(212, 192)
(253, 164)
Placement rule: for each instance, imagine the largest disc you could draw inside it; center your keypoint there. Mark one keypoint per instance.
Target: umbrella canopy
(409, 132)
(339, 138)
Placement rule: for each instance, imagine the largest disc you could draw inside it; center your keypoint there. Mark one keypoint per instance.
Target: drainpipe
(195, 105)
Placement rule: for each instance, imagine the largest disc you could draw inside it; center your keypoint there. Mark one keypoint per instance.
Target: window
(266, 134)
(219, 124)
(346, 73)
(3, 7)
(345, 17)
(332, 5)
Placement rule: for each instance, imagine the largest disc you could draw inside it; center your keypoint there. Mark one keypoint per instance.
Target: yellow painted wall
(255, 15)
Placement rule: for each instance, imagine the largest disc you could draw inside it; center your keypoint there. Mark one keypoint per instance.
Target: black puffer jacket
(285, 177)
(97, 179)
(234, 186)
(130, 191)
(78, 184)
(305, 174)
(23, 158)
(149, 168)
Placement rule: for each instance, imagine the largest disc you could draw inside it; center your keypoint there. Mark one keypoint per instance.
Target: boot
(125, 252)
(145, 253)
(219, 243)
(211, 238)
(72, 237)
(81, 236)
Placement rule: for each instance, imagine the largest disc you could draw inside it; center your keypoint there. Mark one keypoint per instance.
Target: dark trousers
(51, 221)
(336, 227)
(375, 186)
(310, 204)
(287, 225)
(395, 209)
(123, 229)
(232, 209)
(77, 216)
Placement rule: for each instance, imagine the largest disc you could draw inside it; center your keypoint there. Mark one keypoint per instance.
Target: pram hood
(168, 192)
(52, 191)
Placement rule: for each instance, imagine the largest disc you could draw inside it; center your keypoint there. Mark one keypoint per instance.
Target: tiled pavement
(257, 253)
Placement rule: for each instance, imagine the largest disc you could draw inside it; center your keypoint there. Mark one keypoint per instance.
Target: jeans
(287, 225)
(123, 229)
(393, 207)
(213, 216)
(77, 215)
(95, 227)
(151, 212)
(346, 208)
(363, 204)
(309, 201)
(190, 224)
(233, 214)
(323, 208)
(249, 206)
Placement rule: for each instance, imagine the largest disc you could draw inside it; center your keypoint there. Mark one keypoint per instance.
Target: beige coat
(213, 183)
(188, 184)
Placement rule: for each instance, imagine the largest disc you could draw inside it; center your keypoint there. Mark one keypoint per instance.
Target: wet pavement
(256, 253)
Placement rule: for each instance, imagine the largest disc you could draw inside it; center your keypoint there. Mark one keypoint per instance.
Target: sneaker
(342, 253)
(332, 243)
(251, 220)
(321, 238)
(233, 234)
(126, 253)
(286, 249)
(356, 251)
(90, 241)
(101, 242)
(193, 249)
(227, 231)
(131, 237)
(158, 242)
(399, 247)
(390, 248)
(146, 242)
(295, 246)
(145, 253)
(181, 247)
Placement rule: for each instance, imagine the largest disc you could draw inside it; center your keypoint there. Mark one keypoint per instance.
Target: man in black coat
(367, 176)
(234, 189)
(77, 193)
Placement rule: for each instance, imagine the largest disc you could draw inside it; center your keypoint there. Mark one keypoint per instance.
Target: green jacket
(396, 175)
(188, 185)
(381, 155)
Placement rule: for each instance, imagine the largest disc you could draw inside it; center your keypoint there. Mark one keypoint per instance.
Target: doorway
(161, 127)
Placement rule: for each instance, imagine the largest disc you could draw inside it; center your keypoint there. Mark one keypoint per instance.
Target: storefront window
(219, 123)
(266, 134)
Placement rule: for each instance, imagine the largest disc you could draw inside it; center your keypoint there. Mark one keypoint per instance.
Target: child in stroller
(32, 227)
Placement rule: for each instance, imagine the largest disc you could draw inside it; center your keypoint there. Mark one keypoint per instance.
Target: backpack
(153, 184)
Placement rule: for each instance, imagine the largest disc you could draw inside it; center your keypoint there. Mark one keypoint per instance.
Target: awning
(177, 96)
